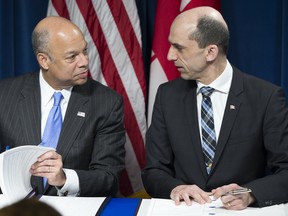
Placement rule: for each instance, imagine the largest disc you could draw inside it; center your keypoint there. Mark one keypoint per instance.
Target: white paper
(74, 206)
(14, 170)
(167, 207)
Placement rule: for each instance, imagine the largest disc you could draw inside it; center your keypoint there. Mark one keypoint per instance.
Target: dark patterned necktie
(207, 127)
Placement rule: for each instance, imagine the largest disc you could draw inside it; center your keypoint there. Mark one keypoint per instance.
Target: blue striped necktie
(207, 127)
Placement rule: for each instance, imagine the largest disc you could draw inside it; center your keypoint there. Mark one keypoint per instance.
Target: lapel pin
(81, 114)
(232, 107)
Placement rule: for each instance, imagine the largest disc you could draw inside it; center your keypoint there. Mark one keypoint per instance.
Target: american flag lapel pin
(232, 107)
(81, 114)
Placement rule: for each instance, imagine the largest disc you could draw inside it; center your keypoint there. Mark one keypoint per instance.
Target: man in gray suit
(250, 123)
(90, 153)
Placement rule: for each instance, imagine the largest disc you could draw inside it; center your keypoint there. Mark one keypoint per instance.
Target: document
(74, 206)
(14, 170)
(167, 207)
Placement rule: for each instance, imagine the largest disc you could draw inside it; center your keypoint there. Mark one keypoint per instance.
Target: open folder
(14, 170)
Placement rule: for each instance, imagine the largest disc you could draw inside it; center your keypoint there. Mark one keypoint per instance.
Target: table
(88, 206)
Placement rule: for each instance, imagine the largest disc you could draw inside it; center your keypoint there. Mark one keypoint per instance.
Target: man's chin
(81, 81)
(184, 76)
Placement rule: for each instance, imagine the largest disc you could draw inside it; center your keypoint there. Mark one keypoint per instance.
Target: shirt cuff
(71, 186)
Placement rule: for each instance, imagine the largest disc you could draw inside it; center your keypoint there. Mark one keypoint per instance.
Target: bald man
(248, 148)
(89, 156)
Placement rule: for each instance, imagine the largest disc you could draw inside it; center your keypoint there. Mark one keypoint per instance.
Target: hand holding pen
(234, 197)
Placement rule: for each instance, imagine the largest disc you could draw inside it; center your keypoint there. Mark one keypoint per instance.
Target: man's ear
(43, 60)
(212, 52)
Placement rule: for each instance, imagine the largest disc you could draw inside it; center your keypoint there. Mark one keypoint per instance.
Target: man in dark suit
(250, 124)
(90, 153)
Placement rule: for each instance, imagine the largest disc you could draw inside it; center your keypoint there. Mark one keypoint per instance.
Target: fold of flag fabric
(161, 70)
(112, 31)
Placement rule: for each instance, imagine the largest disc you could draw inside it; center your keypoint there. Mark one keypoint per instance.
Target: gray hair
(40, 42)
(211, 31)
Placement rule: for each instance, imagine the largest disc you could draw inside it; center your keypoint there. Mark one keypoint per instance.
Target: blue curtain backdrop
(17, 20)
(259, 36)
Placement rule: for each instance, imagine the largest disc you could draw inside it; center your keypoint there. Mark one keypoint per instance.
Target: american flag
(161, 70)
(112, 31)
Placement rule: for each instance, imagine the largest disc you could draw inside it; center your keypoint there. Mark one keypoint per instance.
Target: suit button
(65, 193)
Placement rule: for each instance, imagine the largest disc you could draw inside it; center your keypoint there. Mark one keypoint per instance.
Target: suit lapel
(30, 110)
(232, 107)
(192, 115)
(74, 119)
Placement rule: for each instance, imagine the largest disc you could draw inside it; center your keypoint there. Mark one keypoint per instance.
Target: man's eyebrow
(71, 53)
(176, 45)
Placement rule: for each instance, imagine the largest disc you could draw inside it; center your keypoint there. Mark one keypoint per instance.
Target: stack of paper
(14, 170)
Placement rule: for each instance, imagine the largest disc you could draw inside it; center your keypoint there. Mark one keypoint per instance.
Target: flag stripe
(129, 39)
(132, 12)
(60, 7)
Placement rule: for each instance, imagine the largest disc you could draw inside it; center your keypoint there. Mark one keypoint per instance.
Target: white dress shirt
(71, 186)
(218, 98)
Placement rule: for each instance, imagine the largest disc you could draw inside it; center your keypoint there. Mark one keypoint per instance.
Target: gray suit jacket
(253, 140)
(92, 145)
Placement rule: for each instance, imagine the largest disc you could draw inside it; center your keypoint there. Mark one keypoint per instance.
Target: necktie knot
(206, 91)
(57, 98)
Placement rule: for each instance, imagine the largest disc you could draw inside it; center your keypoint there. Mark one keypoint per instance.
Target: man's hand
(49, 165)
(186, 192)
(233, 202)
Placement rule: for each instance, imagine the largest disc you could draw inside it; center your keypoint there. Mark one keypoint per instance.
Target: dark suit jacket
(92, 145)
(253, 140)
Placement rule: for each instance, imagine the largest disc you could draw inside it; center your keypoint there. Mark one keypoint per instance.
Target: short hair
(210, 31)
(40, 42)
(28, 207)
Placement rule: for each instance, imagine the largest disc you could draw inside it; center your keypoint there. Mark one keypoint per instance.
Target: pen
(239, 191)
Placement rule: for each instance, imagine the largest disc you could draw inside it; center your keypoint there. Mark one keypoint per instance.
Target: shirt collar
(223, 82)
(47, 91)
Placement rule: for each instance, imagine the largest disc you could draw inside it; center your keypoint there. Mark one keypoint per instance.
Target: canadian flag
(161, 70)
